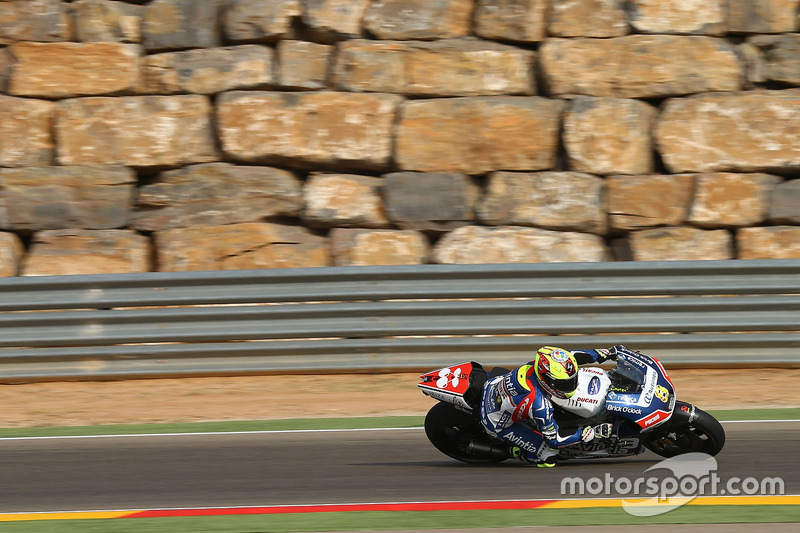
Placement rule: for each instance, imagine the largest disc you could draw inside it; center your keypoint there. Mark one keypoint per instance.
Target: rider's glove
(604, 355)
(601, 431)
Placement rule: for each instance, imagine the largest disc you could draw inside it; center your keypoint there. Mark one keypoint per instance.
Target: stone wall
(173, 135)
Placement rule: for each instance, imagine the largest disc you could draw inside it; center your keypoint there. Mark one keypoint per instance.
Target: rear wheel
(703, 434)
(459, 435)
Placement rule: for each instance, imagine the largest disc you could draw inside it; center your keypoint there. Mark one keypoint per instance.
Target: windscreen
(627, 370)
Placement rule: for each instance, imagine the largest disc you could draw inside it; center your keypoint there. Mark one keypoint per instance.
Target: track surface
(313, 468)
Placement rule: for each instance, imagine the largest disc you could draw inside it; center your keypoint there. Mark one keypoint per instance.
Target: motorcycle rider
(516, 406)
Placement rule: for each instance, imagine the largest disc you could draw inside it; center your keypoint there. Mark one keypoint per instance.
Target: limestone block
(430, 201)
(587, 18)
(774, 242)
(363, 247)
(104, 20)
(564, 201)
(11, 250)
(681, 243)
(763, 16)
(609, 135)
(303, 65)
(696, 17)
(331, 129)
(782, 58)
(180, 24)
(34, 20)
(639, 202)
(449, 67)
(475, 135)
(419, 19)
(39, 198)
(6, 68)
(330, 20)
(248, 21)
(784, 206)
(344, 200)
(66, 70)
(158, 131)
(511, 20)
(371, 66)
(731, 200)
(754, 62)
(72, 252)
(240, 247)
(640, 66)
(213, 194)
(26, 137)
(513, 244)
(209, 71)
(739, 132)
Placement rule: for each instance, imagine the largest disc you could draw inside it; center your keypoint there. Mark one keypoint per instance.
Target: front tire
(703, 434)
(459, 435)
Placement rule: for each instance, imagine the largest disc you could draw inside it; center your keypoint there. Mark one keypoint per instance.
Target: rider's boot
(548, 458)
(519, 454)
(527, 457)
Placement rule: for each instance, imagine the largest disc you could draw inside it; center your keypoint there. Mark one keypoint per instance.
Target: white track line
(755, 421)
(254, 432)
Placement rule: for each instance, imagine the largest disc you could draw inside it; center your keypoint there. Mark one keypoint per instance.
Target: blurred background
(175, 135)
(207, 135)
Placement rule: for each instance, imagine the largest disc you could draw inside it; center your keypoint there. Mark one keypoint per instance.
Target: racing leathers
(515, 408)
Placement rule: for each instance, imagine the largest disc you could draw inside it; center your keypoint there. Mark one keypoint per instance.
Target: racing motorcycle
(636, 397)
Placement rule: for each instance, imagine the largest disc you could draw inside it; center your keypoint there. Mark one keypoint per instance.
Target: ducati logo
(448, 377)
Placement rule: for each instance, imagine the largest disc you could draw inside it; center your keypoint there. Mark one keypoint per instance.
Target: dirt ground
(320, 396)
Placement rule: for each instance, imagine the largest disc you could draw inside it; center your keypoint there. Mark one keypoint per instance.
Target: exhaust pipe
(487, 450)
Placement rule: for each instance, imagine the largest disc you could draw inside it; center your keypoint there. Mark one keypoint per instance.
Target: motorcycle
(636, 396)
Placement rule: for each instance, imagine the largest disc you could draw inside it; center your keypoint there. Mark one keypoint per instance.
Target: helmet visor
(564, 386)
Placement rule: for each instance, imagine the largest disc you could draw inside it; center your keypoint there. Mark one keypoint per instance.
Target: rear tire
(451, 431)
(704, 434)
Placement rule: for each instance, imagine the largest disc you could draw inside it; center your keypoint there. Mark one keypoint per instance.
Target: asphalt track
(292, 468)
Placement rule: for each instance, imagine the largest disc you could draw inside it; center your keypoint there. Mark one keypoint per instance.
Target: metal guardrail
(393, 318)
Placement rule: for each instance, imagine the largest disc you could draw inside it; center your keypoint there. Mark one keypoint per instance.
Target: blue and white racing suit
(516, 409)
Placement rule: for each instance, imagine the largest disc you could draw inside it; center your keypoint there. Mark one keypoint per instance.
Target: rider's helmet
(557, 371)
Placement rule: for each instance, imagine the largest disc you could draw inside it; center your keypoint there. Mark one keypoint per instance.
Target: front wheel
(703, 434)
(459, 435)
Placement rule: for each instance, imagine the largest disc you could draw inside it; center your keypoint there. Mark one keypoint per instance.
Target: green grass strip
(387, 521)
(213, 427)
(313, 423)
(792, 413)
